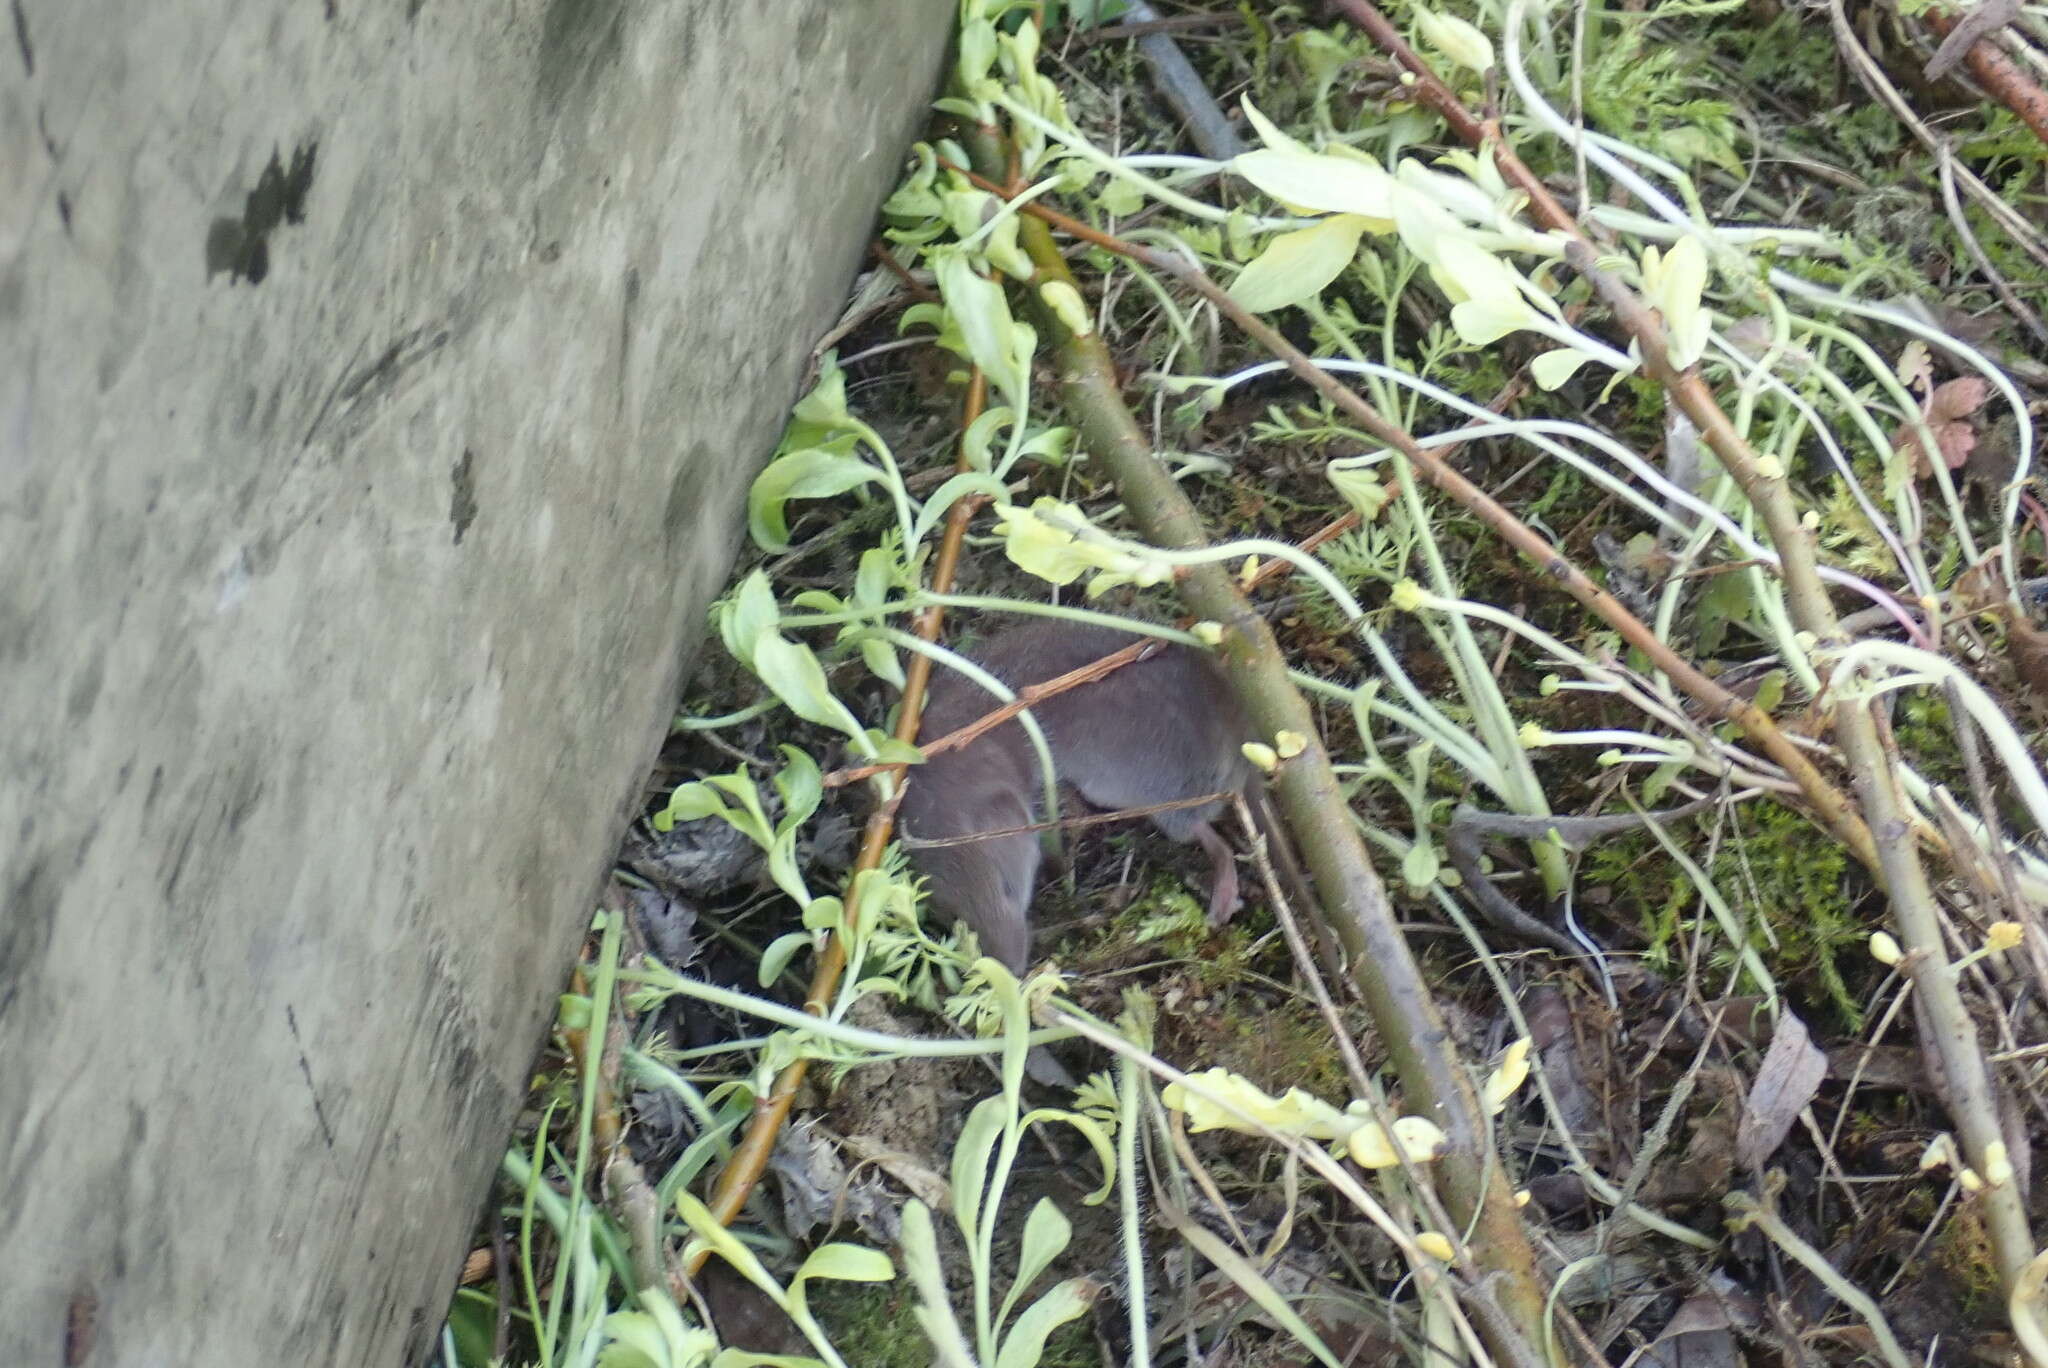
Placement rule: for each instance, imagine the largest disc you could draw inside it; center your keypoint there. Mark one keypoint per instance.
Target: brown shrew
(1164, 728)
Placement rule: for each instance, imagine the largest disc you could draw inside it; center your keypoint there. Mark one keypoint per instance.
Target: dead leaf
(1915, 368)
(1947, 412)
(2029, 653)
(1791, 1074)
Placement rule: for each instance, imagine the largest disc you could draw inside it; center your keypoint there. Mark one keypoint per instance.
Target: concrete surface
(379, 380)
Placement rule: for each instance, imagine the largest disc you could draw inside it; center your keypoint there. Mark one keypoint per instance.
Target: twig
(1027, 697)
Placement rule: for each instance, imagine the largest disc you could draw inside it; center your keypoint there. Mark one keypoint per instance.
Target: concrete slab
(378, 386)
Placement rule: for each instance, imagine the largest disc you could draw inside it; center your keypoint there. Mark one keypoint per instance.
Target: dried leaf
(1947, 412)
(2029, 653)
(1791, 1074)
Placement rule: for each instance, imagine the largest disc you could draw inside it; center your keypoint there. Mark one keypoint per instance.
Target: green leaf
(877, 572)
(935, 1308)
(1024, 1346)
(1317, 181)
(1296, 266)
(1095, 1135)
(751, 819)
(946, 495)
(1046, 1233)
(1254, 1285)
(982, 312)
(1553, 368)
(819, 601)
(825, 405)
(880, 658)
(891, 751)
(800, 786)
(847, 1263)
(971, 1154)
(779, 953)
(1420, 865)
(814, 473)
(746, 1358)
(728, 1247)
(656, 1337)
(824, 914)
(689, 803)
(793, 674)
(979, 440)
(746, 615)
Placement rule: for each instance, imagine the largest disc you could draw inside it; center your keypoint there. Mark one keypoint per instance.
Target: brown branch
(1027, 697)
(749, 1159)
(2000, 76)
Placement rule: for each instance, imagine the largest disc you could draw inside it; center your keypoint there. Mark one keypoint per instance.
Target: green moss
(874, 1325)
(1787, 882)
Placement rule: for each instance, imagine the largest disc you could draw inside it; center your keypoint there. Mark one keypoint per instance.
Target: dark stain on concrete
(241, 246)
(31, 905)
(28, 49)
(462, 494)
(578, 39)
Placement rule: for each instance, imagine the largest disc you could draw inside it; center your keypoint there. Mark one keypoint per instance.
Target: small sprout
(1289, 744)
(1770, 467)
(1434, 1244)
(1407, 78)
(1971, 1180)
(1249, 571)
(1673, 283)
(1208, 633)
(1884, 949)
(1262, 755)
(1999, 937)
(1407, 596)
(1361, 488)
(1067, 305)
(1548, 685)
(1940, 1153)
(1997, 1164)
(1458, 39)
(1609, 757)
(1810, 519)
(1507, 1077)
(1521, 1197)
(1805, 641)
(1533, 736)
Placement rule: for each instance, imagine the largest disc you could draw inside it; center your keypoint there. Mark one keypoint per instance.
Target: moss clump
(1790, 886)
(874, 1325)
